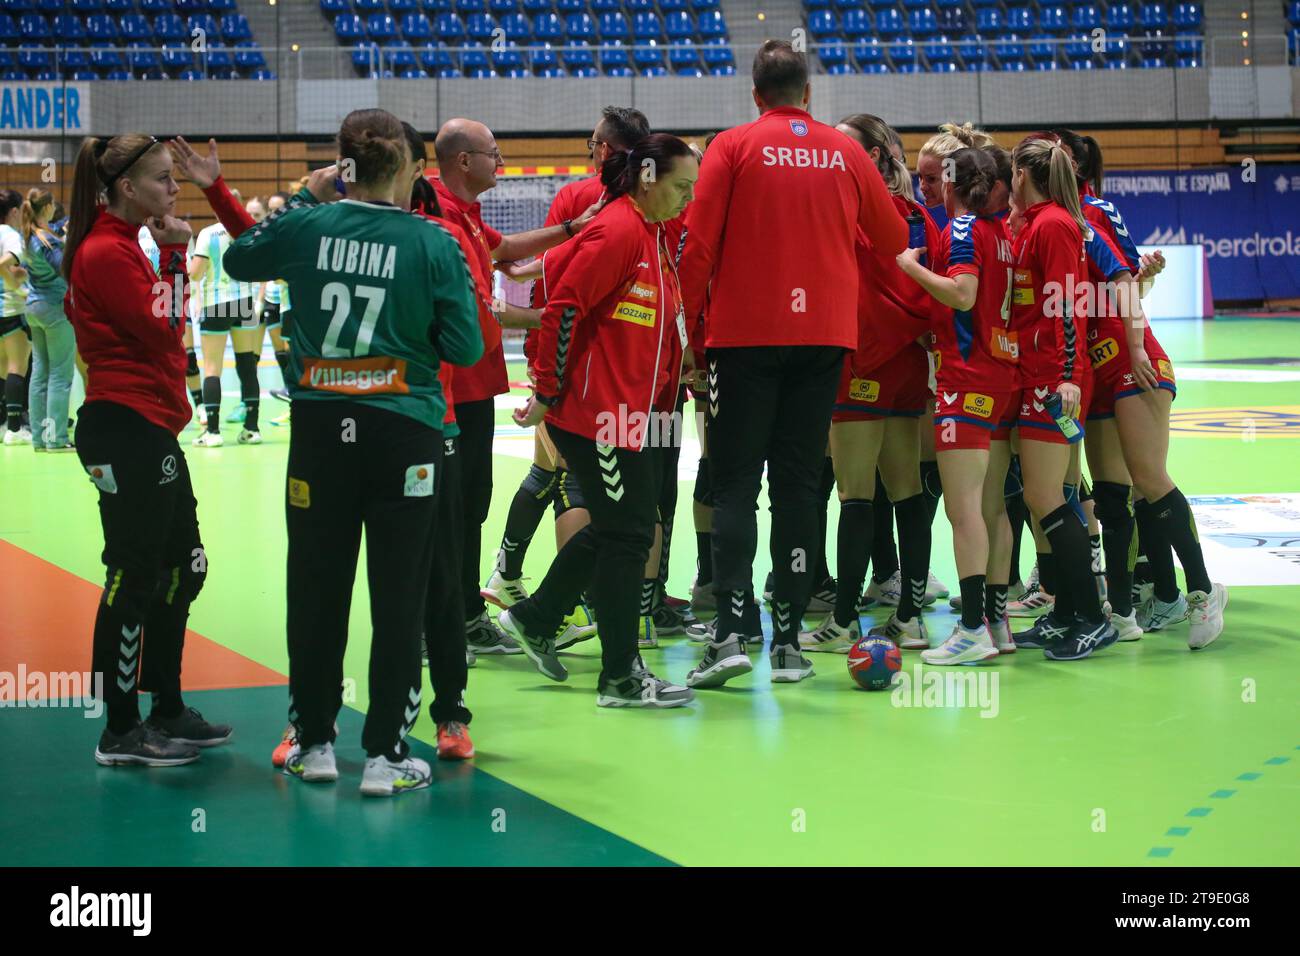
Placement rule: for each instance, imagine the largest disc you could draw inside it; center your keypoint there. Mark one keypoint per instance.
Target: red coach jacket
(609, 351)
(772, 226)
(130, 322)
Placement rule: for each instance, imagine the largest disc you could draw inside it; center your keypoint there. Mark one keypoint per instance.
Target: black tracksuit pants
(477, 421)
(444, 611)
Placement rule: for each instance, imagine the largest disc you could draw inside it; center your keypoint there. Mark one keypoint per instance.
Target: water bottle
(916, 233)
(1069, 427)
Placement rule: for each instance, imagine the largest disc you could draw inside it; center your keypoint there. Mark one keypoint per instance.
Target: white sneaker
(789, 666)
(1205, 612)
(21, 437)
(314, 765)
(1000, 633)
(502, 591)
(703, 600)
(831, 637)
(201, 416)
(1127, 626)
(822, 600)
(886, 592)
(962, 647)
(934, 589)
(1155, 614)
(209, 440)
(247, 437)
(911, 636)
(1033, 603)
(385, 778)
(1033, 579)
(578, 627)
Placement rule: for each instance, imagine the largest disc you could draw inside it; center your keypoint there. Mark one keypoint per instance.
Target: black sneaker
(189, 728)
(642, 689)
(751, 624)
(143, 746)
(1045, 630)
(540, 650)
(823, 598)
(484, 637)
(673, 621)
(1082, 641)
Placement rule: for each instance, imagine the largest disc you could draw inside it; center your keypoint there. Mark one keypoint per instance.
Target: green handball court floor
(1147, 754)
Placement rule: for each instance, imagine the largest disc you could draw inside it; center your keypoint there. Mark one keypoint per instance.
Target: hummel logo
(949, 397)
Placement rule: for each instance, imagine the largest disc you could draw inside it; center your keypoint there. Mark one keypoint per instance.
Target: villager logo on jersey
(352, 257)
(639, 305)
(378, 375)
(803, 158)
(1005, 344)
(864, 390)
(1103, 352)
(1023, 287)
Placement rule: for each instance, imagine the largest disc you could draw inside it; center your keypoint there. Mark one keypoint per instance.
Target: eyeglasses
(495, 154)
(593, 143)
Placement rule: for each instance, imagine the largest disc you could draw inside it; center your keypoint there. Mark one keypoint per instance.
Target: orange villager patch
(382, 375)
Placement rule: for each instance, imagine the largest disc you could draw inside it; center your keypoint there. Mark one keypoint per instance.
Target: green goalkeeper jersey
(380, 297)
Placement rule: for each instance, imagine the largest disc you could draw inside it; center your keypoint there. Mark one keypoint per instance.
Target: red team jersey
(1049, 275)
(573, 199)
(978, 348)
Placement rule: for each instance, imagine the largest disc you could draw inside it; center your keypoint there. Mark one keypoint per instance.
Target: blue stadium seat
(34, 28)
(605, 6)
(922, 23)
(1293, 43)
(880, 4)
(501, 8)
(1153, 63)
(1020, 20)
(948, 4)
(1119, 18)
(548, 28)
(366, 7)
(705, 4)
(1188, 16)
(856, 23)
(1116, 49)
(1154, 16)
(952, 20)
(822, 23)
(840, 69)
(332, 8)
(678, 25)
(717, 54)
(889, 23)
(1086, 17)
(348, 28)
(508, 59)
(646, 27)
(262, 75)
(979, 4)
(219, 58)
(8, 29)
(613, 26)
(1079, 48)
(537, 6)
(832, 53)
(87, 6)
(435, 58)
(1013, 66)
(74, 59)
(552, 73)
(939, 52)
(876, 68)
(1010, 47)
(516, 27)
(449, 28)
(479, 26)
(182, 6)
(218, 6)
(712, 25)
(908, 5)
(543, 58)
(467, 7)
(580, 27)
(654, 71)
(177, 56)
(68, 28)
(972, 52)
(141, 57)
(904, 55)
(613, 55)
(728, 69)
(119, 6)
(398, 8)
(578, 57)
(1188, 62)
(816, 4)
(1041, 47)
(80, 76)
(169, 27)
(1087, 64)
(190, 75)
(1188, 43)
(234, 27)
(14, 75)
(364, 54)
(416, 28)
(648, 57)
(640, 6)
(399, 56)
(1293, 13)
(248, 56)
(684, 56)
(1053, 19)
(204, 22)
(381, 27)
(105, 58)
(1046, 65)
(1117, 64)
(673, 6)
(989, 21)
(413, 75)
(1155, 44)
(474, 60)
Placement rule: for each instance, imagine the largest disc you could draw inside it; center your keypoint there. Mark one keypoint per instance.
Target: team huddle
(784, 277)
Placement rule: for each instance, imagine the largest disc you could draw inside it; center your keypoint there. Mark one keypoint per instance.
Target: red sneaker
(281, 751)
(679, 603)
(454, 742)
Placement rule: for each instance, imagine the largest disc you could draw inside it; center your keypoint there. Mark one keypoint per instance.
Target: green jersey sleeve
(253, 256)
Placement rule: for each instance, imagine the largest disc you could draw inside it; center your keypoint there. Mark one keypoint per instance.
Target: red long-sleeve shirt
(777, 206)
(130, 323)
(1050, 275)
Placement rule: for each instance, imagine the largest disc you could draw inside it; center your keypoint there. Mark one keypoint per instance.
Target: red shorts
(1010, 415)
(1034, 422)
(896, 389)
(967, 418)
(1112, 374)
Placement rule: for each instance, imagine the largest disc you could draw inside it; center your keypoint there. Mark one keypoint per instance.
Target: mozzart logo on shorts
(77, 909)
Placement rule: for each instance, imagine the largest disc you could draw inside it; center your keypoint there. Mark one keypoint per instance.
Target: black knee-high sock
(212, 402)
(856, 518)
(703, 557)
(1175, 516)
(932, 488)
(196, 396)
(823, 504)
(1017, 513)
(14, 401)
(282, 360)
(1115, 514)
(995, 602)
(884, 552)
(1069, 541)
(525, 514)
(250, 392)
(1046, 573)
(1095, 564)
(972, 602)
(1160, 557)
(914, 553)
(1051, 581)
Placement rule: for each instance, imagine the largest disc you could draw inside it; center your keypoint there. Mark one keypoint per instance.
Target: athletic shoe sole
(791, 675)
(582, 635)
(213, 742)
(965, 657)
(837, 646)
(721, 672)
(386, 789)
(124, 760)
(604, 701)
(1048, 653)
(492, 598)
